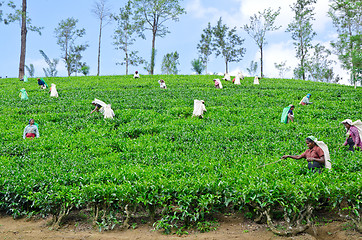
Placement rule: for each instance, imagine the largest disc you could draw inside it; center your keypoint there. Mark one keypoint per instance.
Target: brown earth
(231, 227)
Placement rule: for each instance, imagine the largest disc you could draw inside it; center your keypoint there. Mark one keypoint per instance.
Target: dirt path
(231, 227)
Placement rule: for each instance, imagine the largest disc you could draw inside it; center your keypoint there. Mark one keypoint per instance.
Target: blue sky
(184, 37)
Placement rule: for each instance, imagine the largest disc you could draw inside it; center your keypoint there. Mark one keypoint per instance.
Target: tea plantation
(156, 160)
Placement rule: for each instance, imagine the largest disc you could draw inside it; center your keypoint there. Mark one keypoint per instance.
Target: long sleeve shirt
(31, 129)
(353, 131)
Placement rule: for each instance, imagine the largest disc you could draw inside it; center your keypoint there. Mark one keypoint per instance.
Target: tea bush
(155, 158)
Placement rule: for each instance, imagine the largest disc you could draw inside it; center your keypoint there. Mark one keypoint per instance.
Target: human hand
(284, 157)
(310, 159)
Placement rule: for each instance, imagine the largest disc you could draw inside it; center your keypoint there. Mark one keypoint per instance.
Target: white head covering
(99, 102)
(324, 147)
(107, 111)
(199, 107)
(218, 80)
(349, 121)
(237, 79)
(256, 80)
(357, 124)
(53, 92)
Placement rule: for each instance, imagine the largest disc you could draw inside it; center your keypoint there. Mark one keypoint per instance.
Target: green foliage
(197, 66)
(123, 36)
(282, 68)
(319, 67)
(85, 70)
(252, 68)
(205, 45)
(347, 18)
(66, 34)
(52, 70)
(30, 70)
(169, 63)
(152, 15)
(227, 43)
(157, 159)
(260, 24)
(302, 33)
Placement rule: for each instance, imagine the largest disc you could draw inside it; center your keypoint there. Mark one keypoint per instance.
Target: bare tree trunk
(99, 46)
(261, 62)
(206, 68)
(24, 31)
(153, 52)
(226, 66)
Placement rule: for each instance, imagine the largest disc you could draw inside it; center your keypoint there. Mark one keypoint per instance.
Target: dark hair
(309, 140)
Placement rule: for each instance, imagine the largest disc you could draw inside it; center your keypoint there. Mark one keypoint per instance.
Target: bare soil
(231, 227)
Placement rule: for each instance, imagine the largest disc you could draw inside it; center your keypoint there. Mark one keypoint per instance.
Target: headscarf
(284, 118)
(99, 102)
(199, 107)
(357, 124)
(308, 95)
(324, 147)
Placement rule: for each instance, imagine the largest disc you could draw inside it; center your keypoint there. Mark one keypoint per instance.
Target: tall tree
(227, 43)
(197, 66)
(319, 66)
(103, 13)
(169, 63)
(302, 33)
(52, 70)
(21, 16)
(347, 18)
(260, 24)
(252, 68)
(67, 33)
(282, 68)
(123, 36)
(152, 15)
(205, 45)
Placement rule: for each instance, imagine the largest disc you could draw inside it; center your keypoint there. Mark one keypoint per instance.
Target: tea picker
(162, 84)
(287, 114)
(199, 108)
(317, 154)
(42, 83)
(136, 75)
(53, 91)
(31, 130)
(354, 134)
(217, 83)
(23, 94)
(305, 100)
(104, 108)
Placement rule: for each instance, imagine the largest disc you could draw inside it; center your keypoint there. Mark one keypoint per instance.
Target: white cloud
(277, 53)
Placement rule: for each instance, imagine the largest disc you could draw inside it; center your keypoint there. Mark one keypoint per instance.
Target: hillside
(155, 160)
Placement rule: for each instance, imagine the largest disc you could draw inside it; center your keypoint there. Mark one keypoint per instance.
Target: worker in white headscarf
(217, 83)
(317, 154)
(136, 75)
(53, 91)
(226, 77)
(199, 108)
(354, 134)
(256, 80)
(162, 83)
(237, 80)
(107, 111)
(104, 108)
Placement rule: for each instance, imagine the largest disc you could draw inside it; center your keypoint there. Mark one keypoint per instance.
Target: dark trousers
(351, 144)
(315, 165)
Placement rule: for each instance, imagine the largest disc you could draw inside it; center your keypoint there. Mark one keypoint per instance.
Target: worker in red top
(314, 155)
